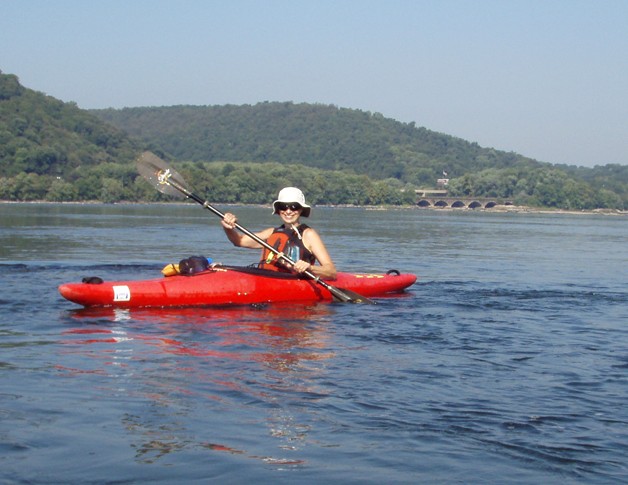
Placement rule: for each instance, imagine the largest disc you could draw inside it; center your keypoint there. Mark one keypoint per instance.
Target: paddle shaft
(337, 293)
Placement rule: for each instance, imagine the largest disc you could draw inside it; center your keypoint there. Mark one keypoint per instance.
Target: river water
(506, 363)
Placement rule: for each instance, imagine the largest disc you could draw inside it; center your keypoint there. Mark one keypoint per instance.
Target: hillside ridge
(53, 150)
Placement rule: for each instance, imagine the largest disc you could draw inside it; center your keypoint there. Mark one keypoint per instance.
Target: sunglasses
(293, 207)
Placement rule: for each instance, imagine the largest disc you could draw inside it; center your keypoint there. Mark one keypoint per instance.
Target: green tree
(29, 187)
(9, 86)
(111, 191)
(61, 191)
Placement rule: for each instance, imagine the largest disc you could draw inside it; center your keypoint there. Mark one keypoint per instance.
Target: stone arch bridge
(441, 199)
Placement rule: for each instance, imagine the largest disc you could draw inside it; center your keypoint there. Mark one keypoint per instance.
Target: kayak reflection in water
(298, 241)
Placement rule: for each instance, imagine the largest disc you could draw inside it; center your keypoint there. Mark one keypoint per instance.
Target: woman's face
(290, 212)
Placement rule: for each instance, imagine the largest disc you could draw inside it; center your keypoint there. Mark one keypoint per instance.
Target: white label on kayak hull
(121, 293)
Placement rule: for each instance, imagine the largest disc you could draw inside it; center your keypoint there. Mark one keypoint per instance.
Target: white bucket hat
(289, 195)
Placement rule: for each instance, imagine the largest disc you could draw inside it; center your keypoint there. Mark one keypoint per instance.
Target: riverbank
(533, 210)
(497, 208)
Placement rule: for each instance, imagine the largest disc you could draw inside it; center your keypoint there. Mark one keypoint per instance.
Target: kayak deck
(226, 285)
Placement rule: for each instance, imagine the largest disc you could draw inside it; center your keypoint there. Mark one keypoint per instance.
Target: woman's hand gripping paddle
(167, 181)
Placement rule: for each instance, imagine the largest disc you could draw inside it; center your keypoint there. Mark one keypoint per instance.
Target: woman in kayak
(299, 242)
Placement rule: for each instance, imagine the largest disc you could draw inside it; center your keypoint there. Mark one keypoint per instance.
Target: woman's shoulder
(308, 232)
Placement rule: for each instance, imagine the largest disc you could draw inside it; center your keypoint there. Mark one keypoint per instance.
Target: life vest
(289, 242)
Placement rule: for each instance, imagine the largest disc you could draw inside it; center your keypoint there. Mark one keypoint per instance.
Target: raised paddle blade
(160, 175)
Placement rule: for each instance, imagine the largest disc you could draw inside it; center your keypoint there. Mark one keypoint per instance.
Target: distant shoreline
(534, 210)
(495, 209)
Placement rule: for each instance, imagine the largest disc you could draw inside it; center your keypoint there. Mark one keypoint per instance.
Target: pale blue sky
(544, 78)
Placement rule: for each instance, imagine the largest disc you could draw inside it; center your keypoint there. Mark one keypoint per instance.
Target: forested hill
(42, 135)
(354, 141)
(56, 151)
(315, 135)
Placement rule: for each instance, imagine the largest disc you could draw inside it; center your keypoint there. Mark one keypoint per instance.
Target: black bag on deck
(193, 265)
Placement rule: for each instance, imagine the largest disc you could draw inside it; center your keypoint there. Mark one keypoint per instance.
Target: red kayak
(226, 285)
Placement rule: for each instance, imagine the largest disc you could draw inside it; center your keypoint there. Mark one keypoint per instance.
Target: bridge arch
(460, 203)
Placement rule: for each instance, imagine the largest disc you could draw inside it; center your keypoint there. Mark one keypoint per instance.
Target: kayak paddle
(167, 181)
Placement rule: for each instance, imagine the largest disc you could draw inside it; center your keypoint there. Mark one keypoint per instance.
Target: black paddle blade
(160, 175)
(348, 296)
